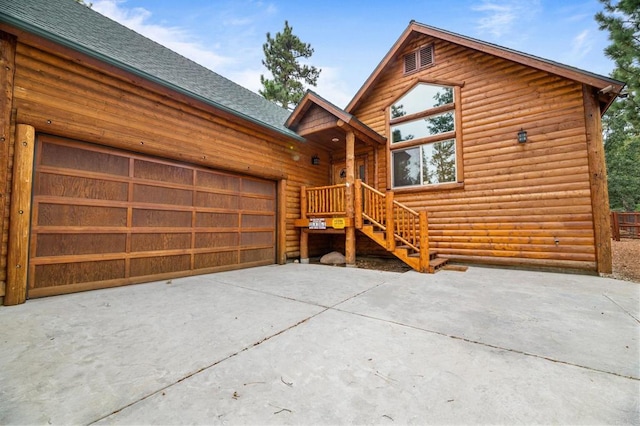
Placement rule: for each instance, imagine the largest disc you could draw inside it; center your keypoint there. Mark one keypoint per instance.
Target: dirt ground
(626, 261)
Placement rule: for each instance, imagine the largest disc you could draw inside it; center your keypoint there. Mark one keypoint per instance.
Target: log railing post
(358, 206)
(424, 242)
(303, 202)
(304, 235)
(390, 222)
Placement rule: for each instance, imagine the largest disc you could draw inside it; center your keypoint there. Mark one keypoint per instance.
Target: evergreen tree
(443, 154)
(443, 159)
(281, 55)
(621, 123)
(398, 111)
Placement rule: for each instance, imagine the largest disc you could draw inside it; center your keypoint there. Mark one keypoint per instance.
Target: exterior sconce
(315, 160)
(522, 136)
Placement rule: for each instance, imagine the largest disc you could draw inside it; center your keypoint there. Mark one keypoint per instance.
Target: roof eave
(312, 98)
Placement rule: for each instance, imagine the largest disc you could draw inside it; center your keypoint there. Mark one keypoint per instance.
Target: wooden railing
(407, 225)
(325, 200)
(400, 223)
(625, 224)
(372, 205)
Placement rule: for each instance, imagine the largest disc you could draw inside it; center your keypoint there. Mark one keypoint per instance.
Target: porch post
(350, 231)
(304, 235)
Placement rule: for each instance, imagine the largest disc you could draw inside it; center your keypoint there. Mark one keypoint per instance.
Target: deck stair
(400, 230)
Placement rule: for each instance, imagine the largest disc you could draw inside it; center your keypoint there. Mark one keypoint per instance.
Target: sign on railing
(317, 223)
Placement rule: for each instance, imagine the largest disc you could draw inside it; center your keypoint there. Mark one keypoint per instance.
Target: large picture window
(423, 137)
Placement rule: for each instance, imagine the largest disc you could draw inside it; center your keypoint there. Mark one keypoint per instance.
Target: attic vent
(410, 62)
(426, 56)
(418, 59)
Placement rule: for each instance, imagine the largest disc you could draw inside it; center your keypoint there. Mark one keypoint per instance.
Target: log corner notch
(19, 222)
(598, 181)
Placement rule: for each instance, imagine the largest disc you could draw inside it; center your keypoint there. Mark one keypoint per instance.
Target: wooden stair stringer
(403, 253)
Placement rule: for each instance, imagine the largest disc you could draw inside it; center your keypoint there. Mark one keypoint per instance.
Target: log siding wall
(521, 204)
(59, 94)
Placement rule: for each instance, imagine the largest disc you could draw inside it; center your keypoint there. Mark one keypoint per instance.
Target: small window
(418, 59)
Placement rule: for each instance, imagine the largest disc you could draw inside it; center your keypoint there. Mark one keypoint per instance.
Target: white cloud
(175, 38)
(581, 45)
(248, 78)
(500, 18)
(241, 62)
(332, 87)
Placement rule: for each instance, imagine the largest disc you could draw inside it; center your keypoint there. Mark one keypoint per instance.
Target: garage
(103, 218)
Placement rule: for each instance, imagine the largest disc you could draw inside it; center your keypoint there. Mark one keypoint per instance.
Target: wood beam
(18, 256)
(350, 238)
(360, 135)
(281, 227)
(317, 129)
(7, 74)
(598, 181)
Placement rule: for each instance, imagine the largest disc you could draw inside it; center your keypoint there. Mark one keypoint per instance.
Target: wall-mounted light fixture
(522, 136)
(315, 160)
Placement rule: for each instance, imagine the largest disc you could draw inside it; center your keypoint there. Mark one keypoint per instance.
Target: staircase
(407, 254)
(397, 228)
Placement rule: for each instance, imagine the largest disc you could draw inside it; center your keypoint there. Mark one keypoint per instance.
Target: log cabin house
(123, 162)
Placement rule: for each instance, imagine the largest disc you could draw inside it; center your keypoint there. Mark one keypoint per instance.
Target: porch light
(315, 160)
(522, 136)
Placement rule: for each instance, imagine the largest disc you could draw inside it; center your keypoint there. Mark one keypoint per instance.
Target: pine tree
(621, 123)
(443, 154)
(443, 159)
(281, 55)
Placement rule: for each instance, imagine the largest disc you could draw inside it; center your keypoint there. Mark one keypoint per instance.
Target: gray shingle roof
(78, 27)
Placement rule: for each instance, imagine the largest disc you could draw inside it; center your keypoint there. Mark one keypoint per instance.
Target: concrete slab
(338, 368)
(72, 359)
(583, 320)
(317, 284)
(299, 344)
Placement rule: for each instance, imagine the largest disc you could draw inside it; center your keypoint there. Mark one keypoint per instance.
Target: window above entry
(424, 138)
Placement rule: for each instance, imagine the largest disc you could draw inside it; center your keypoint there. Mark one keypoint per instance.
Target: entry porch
(350, 201)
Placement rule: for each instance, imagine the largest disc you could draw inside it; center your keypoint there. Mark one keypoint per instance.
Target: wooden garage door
(105, 218)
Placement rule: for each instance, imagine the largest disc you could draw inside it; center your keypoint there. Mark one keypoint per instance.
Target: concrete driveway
(311, 344)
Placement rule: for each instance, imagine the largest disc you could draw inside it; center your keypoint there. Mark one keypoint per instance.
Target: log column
(7, 73)
(281, 229)
(598, 181)
(350, 231)
(18, 258)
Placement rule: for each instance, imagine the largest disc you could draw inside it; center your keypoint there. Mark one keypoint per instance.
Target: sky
(350, 38)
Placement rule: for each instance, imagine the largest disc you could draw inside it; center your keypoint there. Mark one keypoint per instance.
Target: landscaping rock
(333, 258)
